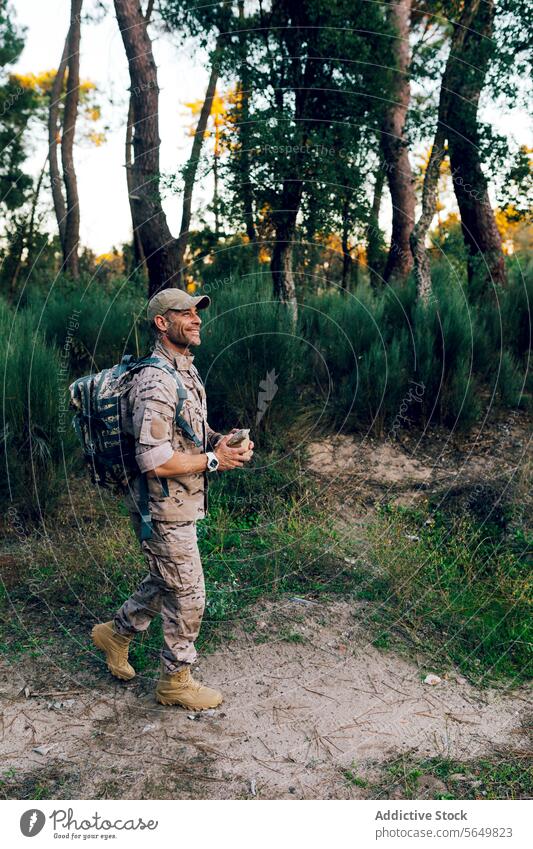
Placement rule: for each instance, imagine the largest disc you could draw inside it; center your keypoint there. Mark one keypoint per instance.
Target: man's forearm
(180, 464)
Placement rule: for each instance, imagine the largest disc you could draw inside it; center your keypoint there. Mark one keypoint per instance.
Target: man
(177, 461)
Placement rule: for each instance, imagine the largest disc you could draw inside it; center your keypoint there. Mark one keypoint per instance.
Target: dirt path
(295, 715)
(306, 695)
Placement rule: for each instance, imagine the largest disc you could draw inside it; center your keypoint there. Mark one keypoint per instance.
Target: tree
(478, 223)
(72, 223)
(312, 73)
(67, 209)
(159, 246)
(16, 108)
(448, 89)
(189, 174)
(137, 244)
(394, 144)
(203, 22)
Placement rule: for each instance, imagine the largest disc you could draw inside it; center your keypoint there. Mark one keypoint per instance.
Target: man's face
(183, 327)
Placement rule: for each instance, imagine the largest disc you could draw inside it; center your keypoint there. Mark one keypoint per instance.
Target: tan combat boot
(116, 648)
(181, 689)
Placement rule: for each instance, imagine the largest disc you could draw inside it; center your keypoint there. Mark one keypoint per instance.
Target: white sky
(105, 216)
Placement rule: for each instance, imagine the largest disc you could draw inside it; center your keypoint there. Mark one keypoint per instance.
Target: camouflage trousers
(174, 587)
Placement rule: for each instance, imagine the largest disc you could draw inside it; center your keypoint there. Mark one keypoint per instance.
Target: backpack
(108, 450)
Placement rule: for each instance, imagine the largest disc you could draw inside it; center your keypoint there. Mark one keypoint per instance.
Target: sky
(182, 73)
(105, 215)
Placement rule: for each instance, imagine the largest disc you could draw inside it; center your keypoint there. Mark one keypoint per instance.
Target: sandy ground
(297, 711)
(295, 714)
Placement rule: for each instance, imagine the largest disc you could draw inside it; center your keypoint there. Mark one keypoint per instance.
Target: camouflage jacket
(148, 410)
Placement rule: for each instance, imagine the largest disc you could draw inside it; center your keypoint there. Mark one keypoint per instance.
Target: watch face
(213, 463)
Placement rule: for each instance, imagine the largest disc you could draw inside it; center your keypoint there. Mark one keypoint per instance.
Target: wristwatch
(212, 461)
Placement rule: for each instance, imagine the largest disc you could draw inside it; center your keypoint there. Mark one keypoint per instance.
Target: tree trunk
(346, 256)
(53, 138)
(285, 230)
(394, 146)
(282, 272)
(31, 227)
(478, 224)
(191, 168)
(160, 248)
(244, 132)
(138, 253)
(72, 223)
(375, 237)
(438, 150)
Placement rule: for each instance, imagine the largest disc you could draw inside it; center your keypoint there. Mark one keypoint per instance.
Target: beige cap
(174, 299)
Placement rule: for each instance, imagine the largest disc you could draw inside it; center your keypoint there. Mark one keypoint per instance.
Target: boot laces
(191, 682)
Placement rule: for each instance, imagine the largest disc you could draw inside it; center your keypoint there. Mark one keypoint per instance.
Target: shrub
(37, 438)
(106, 325)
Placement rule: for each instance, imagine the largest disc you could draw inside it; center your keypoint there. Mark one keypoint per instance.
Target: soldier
(177, 461)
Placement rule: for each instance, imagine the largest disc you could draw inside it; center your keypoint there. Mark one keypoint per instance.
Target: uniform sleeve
(213, 437)
(153, 406)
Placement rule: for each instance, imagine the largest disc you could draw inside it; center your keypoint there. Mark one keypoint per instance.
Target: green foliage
(37, 440)
(16, 107)
(246, 337)
(500, 777)
(93, 327)
(463, 588)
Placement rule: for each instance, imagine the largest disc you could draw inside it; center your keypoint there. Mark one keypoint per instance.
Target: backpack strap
(128, 364)
(131, 365)
(144, 509)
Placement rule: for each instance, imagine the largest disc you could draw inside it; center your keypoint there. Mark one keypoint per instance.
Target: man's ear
(160, 323)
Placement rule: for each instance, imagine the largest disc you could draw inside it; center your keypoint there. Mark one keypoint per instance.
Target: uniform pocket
(156, 425)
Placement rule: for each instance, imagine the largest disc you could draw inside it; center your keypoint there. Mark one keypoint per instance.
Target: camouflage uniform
(174, 586)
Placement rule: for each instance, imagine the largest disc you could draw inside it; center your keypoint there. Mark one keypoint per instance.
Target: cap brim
(201, 302)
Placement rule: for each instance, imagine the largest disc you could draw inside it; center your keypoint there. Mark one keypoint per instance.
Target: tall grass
(106, 324)
(36, 438)
(458, 588)
(367, 360)
(252, 361)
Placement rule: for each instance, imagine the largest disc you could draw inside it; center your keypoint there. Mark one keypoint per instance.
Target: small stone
(432, 680)
(147, 728)
(42, 750)
(253, 787)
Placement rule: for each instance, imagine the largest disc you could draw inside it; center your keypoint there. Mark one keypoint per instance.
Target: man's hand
(232, 458)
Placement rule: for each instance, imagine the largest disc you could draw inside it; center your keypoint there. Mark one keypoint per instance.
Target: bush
(37, 438)
(104, 325)
(250, 358)
(460, 588)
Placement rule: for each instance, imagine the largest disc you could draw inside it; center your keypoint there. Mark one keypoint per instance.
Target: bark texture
(374, 235)
(395, 149)
(159, 246)
(72, 223)
(192, 165)
(285, 231)
(54, 136)
(478, 224)
(244, 134)
(138, 253)
(438, 151)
